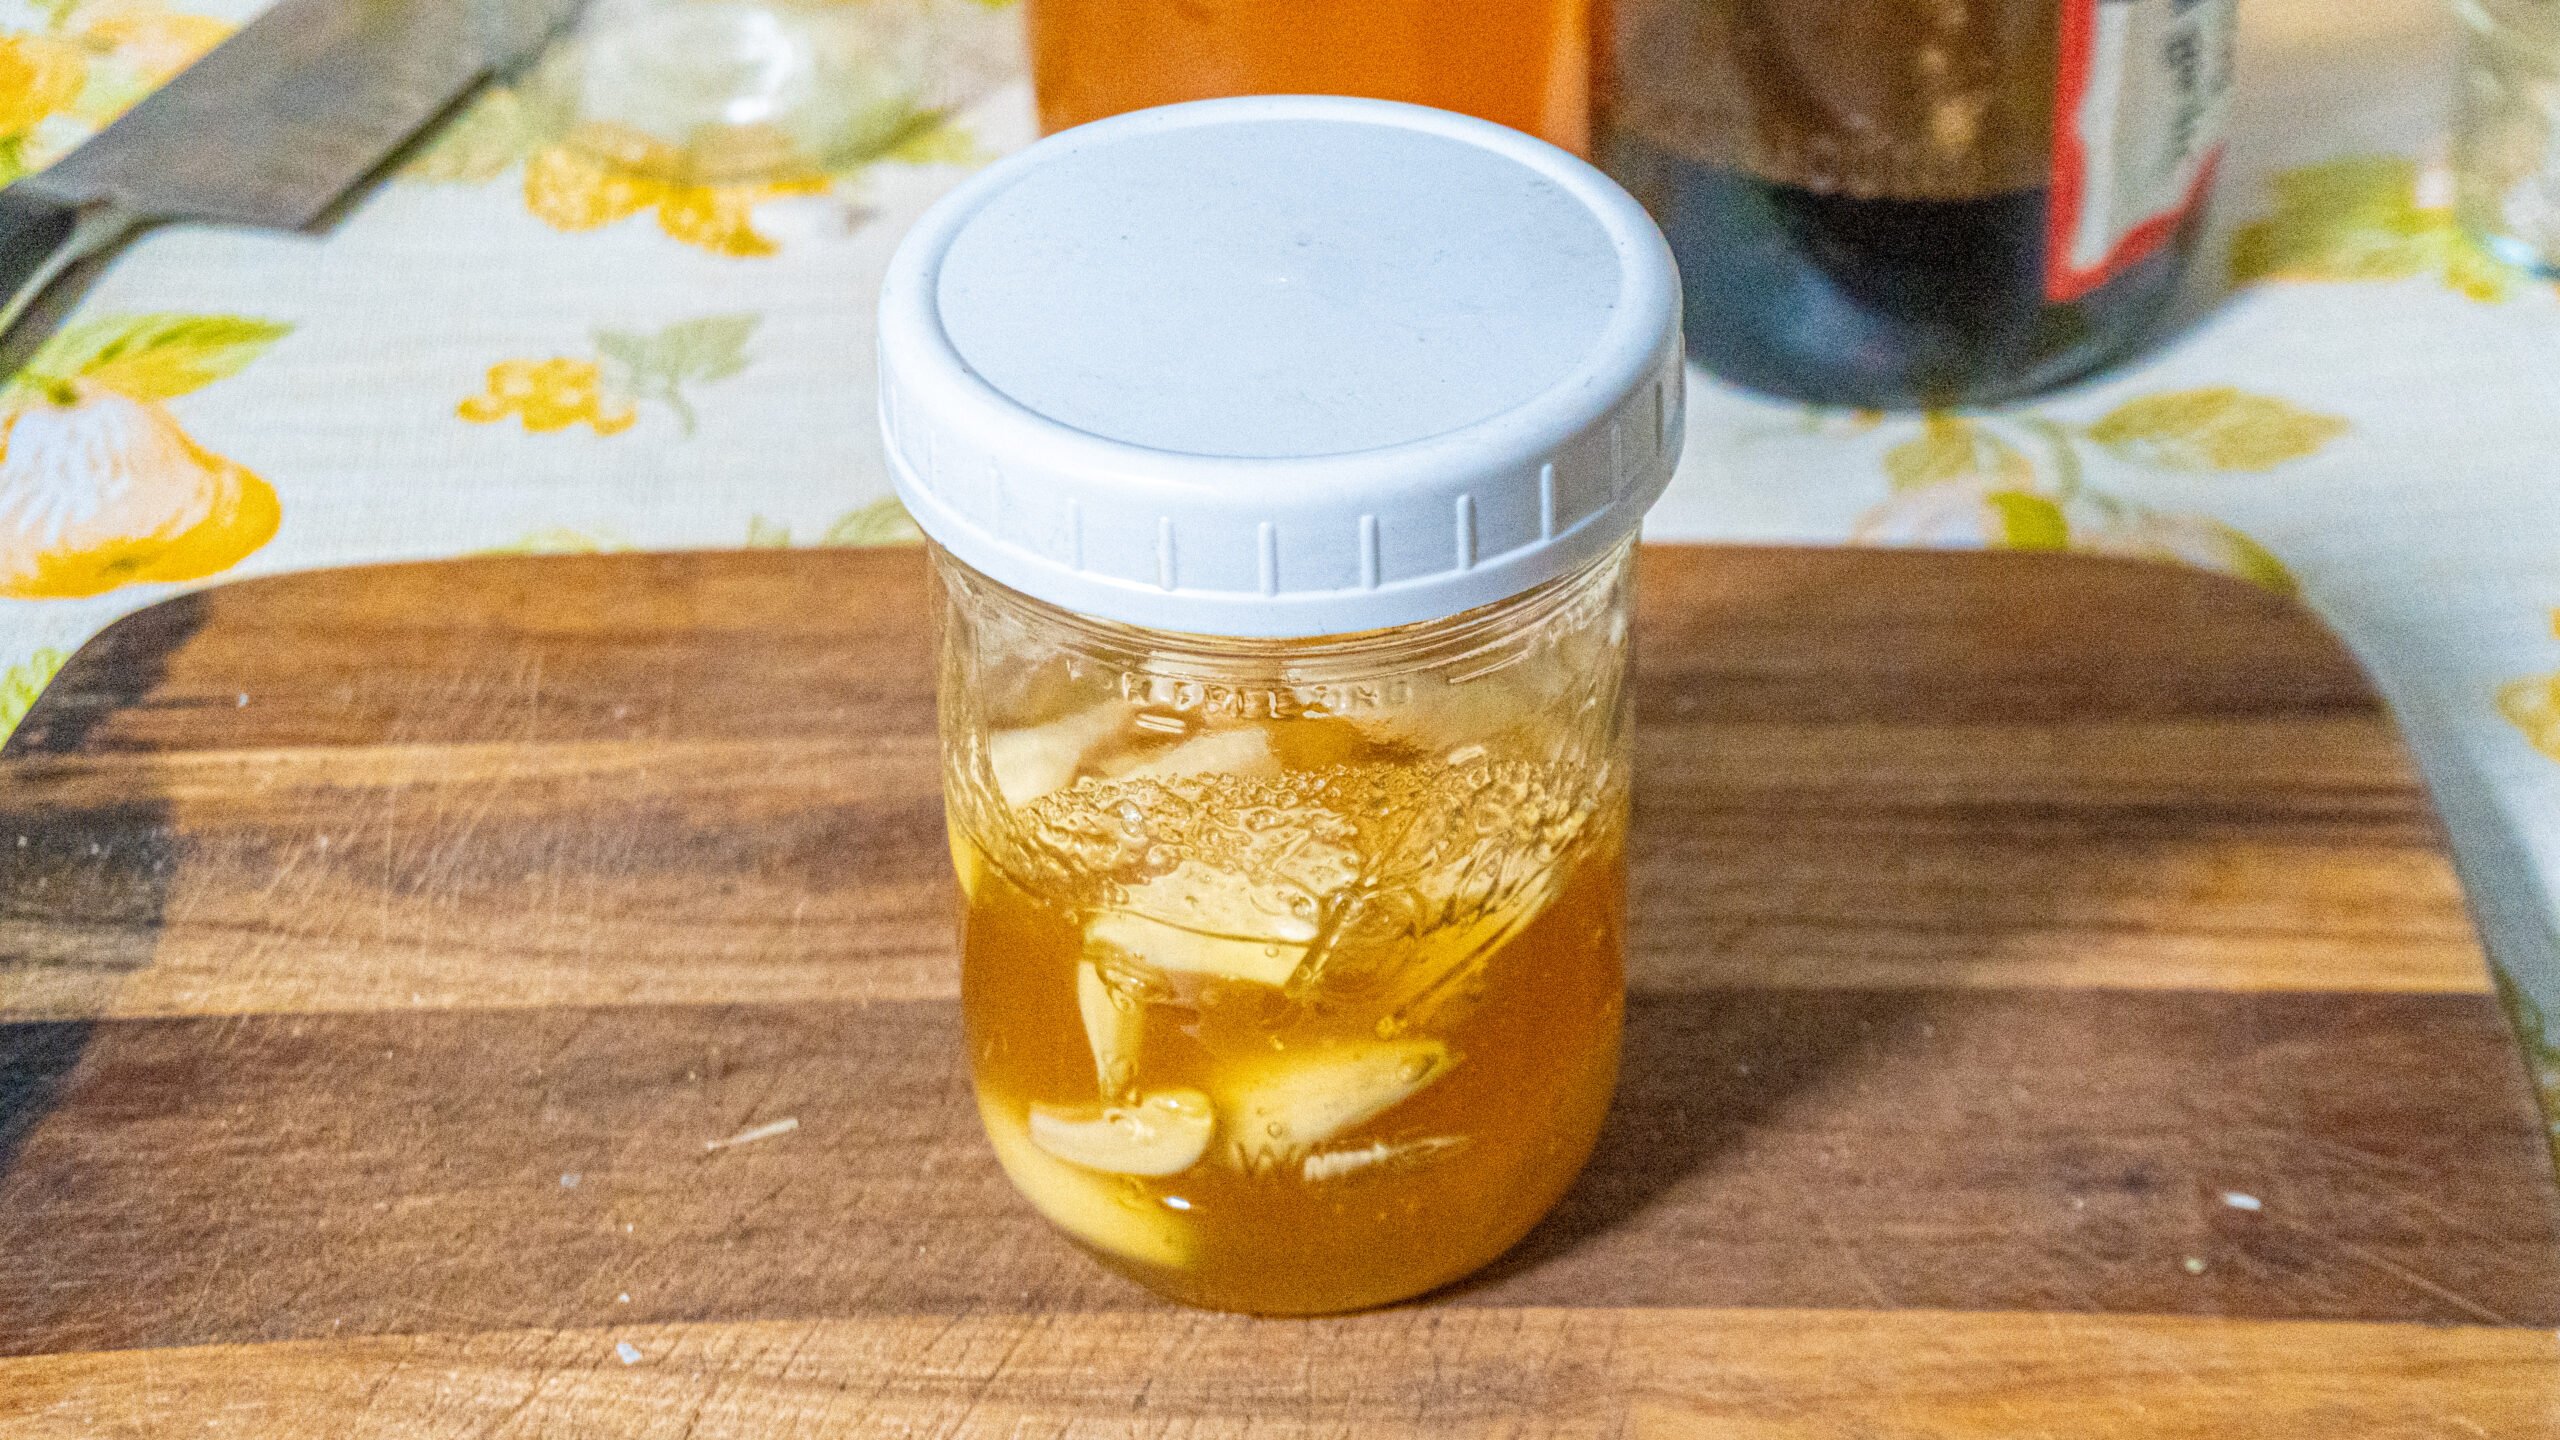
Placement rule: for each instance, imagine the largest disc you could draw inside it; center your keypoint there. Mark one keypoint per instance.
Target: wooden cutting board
(2053, 1014)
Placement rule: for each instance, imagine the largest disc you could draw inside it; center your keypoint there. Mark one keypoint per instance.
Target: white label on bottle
(2140, 97)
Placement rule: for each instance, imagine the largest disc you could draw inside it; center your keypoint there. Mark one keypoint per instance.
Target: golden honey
(1295, 997)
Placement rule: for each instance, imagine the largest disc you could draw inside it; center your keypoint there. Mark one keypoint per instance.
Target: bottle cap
(1281, 366)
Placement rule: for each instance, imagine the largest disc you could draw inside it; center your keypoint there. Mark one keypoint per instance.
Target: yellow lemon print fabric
(548, 395)
(594, 175)
(148, 37)
(591, 181)
(604, 393)
(2532, 705)
(40, 77)
(99, 485)
(89, 61)
(587, 176)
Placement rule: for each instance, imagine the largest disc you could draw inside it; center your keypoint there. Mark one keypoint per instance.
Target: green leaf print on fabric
(938, 140)
(562, 540)
(882, 522)
(634, 367)
(2019, 480)
(2215, 429)
(1951, 448)
(2359, 218)
(21, 683)
(486, 140)
(147, 357)
(2029, 522)
(630, 368)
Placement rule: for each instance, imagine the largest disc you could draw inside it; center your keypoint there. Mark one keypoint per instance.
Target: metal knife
(270, 129)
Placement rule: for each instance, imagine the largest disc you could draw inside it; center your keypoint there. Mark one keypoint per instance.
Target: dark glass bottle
(1902, 203)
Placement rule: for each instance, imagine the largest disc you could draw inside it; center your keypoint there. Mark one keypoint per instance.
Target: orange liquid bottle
(1527, 64)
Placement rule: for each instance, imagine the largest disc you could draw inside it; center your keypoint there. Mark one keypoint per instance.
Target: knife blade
(269, 129)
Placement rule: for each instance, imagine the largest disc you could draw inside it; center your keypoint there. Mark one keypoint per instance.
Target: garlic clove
(1093, 1208)
(1294, 1101)
(1176, 950)
(1164, 1133)
(1038, 759)
(1113, 1024)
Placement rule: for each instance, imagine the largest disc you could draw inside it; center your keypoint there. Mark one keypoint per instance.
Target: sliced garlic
(966, 862)
(1245, 753)
(1178, 951)
(1437, 970)
(1195, 920)
(1290, 1103)
(1322, 1165)
(1031, 762)
(1113, 1024)
(1093, 1208)
(1165, 1133)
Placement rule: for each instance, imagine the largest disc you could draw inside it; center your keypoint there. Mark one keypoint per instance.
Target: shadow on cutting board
(84, 871)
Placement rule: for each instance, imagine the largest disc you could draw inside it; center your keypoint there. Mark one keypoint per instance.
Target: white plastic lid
(1281, 367)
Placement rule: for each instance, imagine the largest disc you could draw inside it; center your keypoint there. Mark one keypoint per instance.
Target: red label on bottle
(2140, 96)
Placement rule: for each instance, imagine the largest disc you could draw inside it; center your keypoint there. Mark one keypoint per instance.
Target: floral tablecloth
(507, 348)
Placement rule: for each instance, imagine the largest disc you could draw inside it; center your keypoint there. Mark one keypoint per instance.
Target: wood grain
(1764, 1374)
(379, 951)
(284, 1177)
(704, 779)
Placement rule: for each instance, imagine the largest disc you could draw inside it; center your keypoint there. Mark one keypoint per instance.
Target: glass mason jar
(1291, 969)
(2506, 130)
(718, 92)
(1284, 646)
